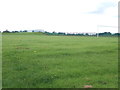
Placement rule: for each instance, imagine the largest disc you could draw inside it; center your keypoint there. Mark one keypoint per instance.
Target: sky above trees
(59, 15)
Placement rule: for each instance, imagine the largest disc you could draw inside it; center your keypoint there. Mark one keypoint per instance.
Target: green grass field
(33, 60)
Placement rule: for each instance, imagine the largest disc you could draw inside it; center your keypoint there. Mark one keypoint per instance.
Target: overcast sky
(59, 15)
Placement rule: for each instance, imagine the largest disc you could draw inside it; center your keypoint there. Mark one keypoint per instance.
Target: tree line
(83, 34)
(69, 34)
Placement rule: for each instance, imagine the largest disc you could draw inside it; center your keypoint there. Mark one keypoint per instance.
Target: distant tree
(69, 34)
(6, 31)
(14, 31)
(105, 34)
(86, 34)
(25, 31)
(61, 33)
(53, 32)
(47, 33)
(116, 34)
(79, 34)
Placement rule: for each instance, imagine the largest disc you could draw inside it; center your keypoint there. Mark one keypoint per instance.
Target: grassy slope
(59, 61)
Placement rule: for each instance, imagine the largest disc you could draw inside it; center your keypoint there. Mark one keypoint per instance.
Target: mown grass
(41, 61)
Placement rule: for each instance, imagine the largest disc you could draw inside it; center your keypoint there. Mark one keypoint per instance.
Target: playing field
(33, 60)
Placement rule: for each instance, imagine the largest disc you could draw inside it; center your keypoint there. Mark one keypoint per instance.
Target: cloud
(102, 7)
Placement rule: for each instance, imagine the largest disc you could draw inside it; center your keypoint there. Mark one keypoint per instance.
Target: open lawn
(33, 60)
